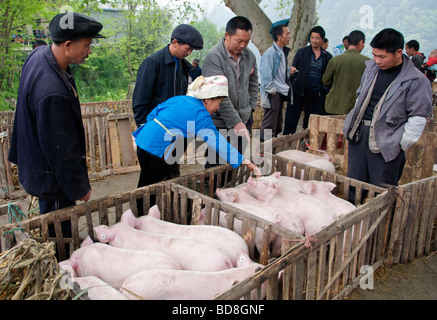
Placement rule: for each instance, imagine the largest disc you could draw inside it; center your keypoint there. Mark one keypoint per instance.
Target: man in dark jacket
(160, 77)
(307, 70)
(48, 139)
(164, 74)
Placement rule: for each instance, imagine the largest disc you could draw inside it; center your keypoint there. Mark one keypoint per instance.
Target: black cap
(189, 35)
(73, 25)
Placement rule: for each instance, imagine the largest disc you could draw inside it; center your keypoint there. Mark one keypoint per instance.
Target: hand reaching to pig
(252, 167)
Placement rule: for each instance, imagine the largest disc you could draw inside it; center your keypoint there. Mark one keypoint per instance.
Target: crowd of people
(386, 100)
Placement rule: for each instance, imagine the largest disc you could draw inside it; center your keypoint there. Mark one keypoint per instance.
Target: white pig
(98, 289)
(286, 218)
(314, 214)
(324, 163)
(192, 254)
(184, 284)
(113, 265)
(304, 157)
(322, 190)
(223, 238)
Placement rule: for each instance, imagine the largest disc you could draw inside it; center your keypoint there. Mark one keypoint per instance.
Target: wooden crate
(177, 204)
(108, 138)
(413, 229)
(331, 268)
(326, 132)
(114, 107)
(291, 142)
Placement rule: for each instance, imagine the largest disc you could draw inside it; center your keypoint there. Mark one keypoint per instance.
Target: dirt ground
(416, 280)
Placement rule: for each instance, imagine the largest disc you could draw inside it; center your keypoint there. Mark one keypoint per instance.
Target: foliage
(134, 30)
(211, 36)
(16, 16)
(415, 20)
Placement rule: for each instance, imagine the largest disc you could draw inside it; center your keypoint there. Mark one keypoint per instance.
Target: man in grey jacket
(275, 82)
(394, 100)
(231, 58)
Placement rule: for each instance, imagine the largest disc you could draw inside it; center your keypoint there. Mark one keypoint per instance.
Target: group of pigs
(148, 258)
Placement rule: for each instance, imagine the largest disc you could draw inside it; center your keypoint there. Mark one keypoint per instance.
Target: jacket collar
(55, 66)
(168, 59)
(408, 71)
(285, 49)
(224, 51)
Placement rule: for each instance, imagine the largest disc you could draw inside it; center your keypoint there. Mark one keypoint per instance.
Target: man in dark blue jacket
(307, 70)
(160, 77)
(164, 74)
(48, 139)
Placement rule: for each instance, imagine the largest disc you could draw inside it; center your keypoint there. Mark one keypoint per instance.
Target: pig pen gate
(396, 227)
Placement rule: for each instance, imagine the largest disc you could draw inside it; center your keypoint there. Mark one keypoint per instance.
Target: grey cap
(189, 35)
(73, 25)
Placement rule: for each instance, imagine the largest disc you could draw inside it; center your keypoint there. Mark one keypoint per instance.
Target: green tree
(211, 36)
(16, 17)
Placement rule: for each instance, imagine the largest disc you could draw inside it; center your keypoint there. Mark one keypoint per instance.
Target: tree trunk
(303, 18)
(250, 9)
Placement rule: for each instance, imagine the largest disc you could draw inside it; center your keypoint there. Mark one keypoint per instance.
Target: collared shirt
(280, 80)
(314, 83)
(236, 65)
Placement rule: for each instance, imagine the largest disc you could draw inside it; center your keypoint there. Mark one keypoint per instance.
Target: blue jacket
(268, 69)
(183, 117)
(158, 79)
(48, 139)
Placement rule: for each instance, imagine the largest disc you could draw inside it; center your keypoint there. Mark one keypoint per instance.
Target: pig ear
(277, 174)
(278, 218)
(331, 186)
(244, 188)
(307, 186)
(104, 233)
(128, 218)
(233, 195)
(87, 242)
(328, 157)
(154, 212)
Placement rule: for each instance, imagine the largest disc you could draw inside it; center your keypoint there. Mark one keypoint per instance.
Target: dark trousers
(153, 170)
(366, 166)
(272, 118)
(309, 104)
(46, 206)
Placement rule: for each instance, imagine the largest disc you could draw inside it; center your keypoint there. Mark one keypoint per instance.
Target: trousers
(366, 166)
(309, 104)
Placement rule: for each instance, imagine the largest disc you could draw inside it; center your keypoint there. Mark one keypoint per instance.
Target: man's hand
(241, 130)
(87, 196)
